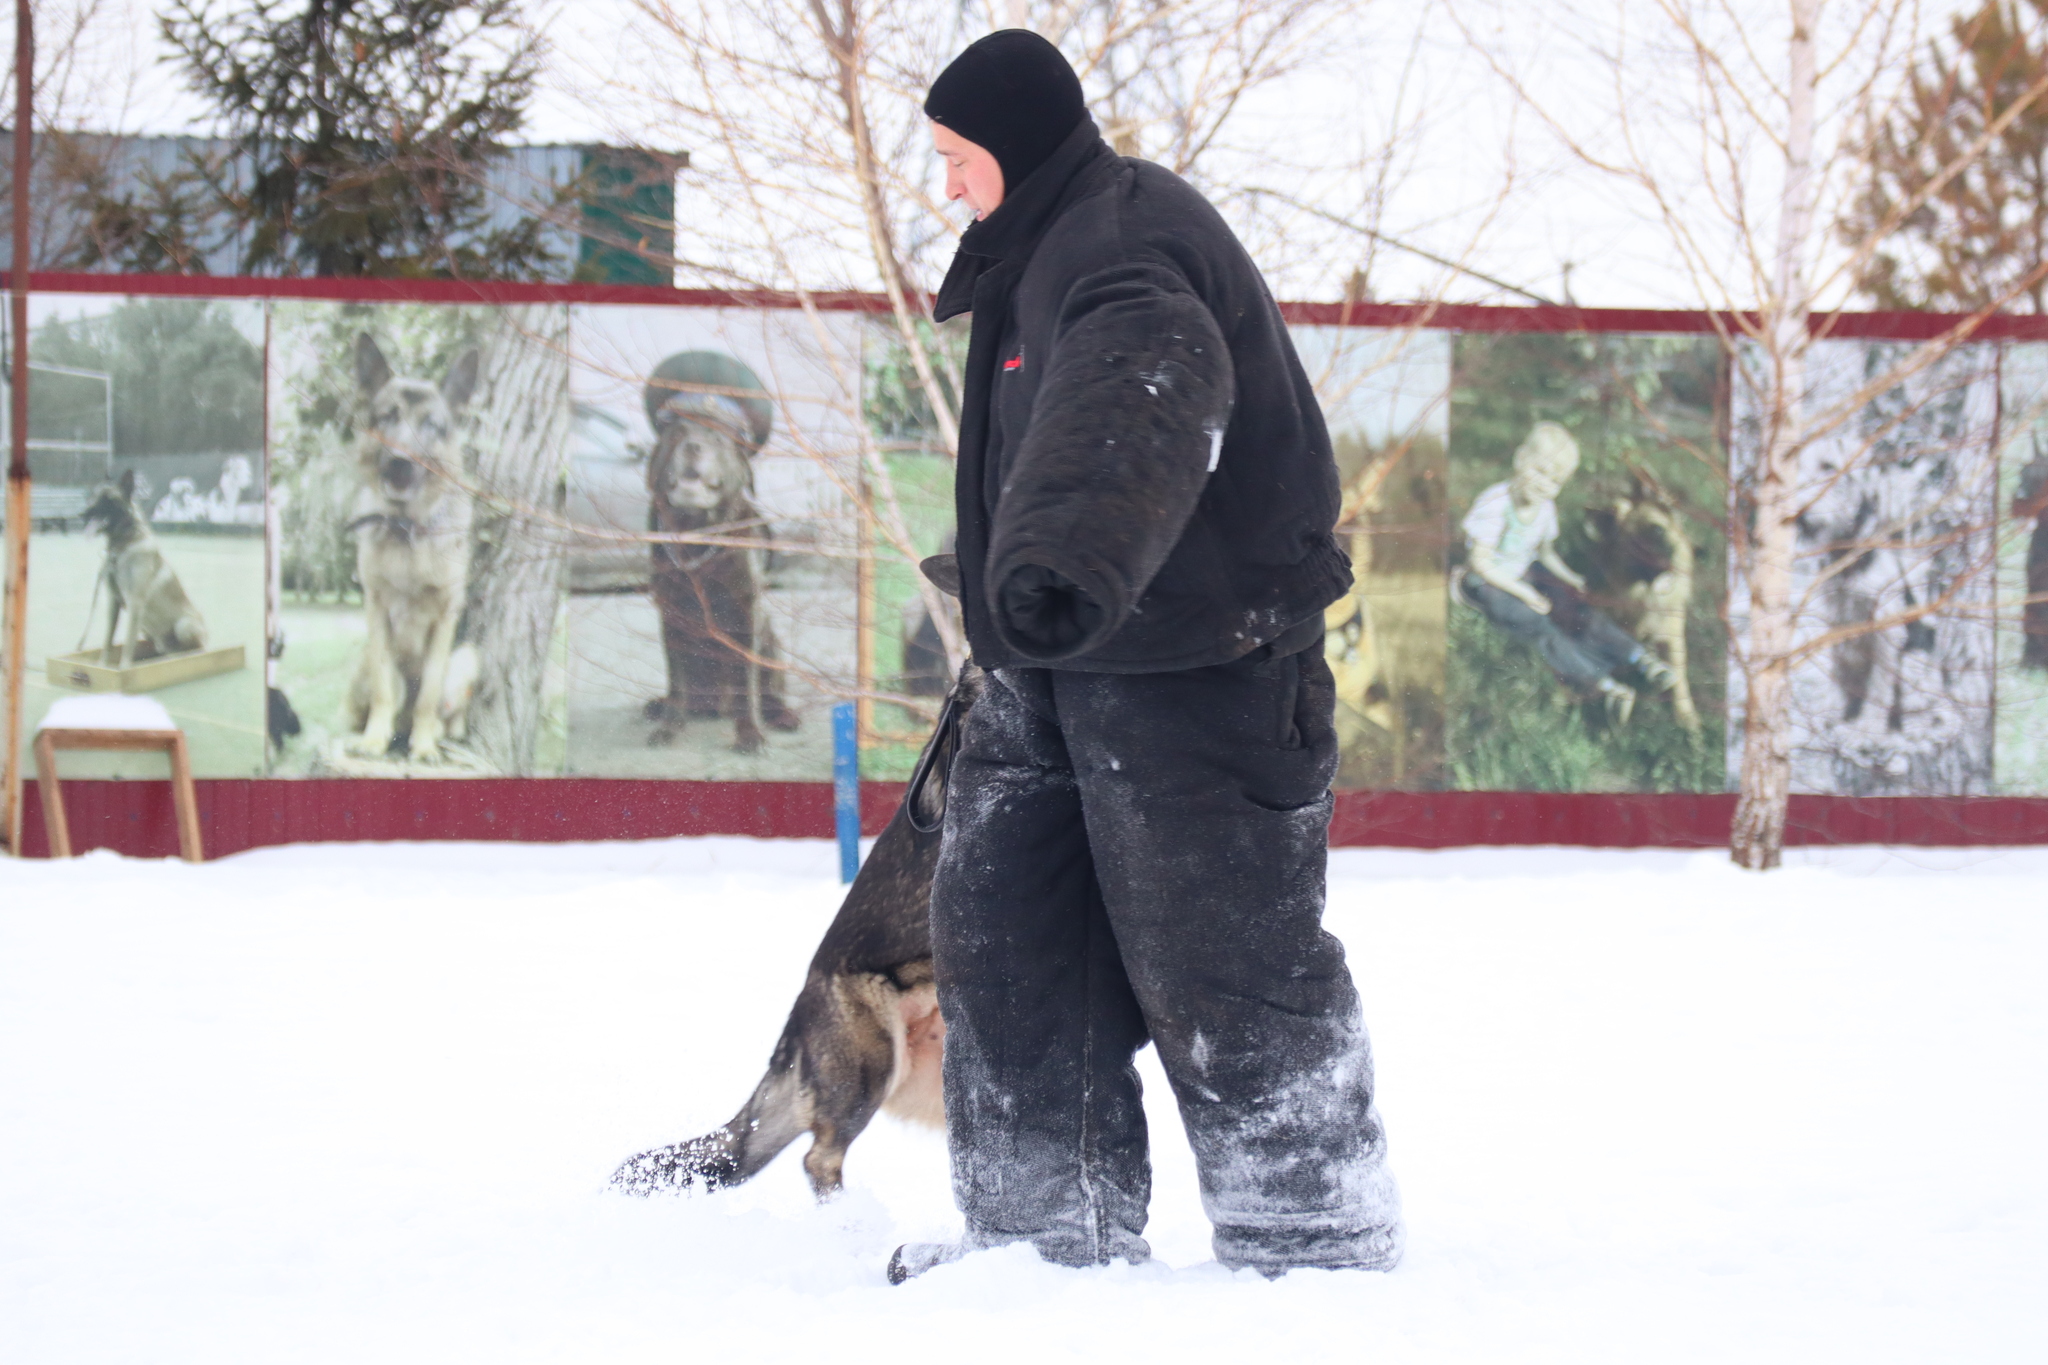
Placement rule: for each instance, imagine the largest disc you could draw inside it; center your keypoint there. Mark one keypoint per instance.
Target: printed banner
(713, 467)
(146, 546)
(2020, 741)
(1587, 495)
(1383, 396)
(1897, 517)
(416, 482)
(426, 540)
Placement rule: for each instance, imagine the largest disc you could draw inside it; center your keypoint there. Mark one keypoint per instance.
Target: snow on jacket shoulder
(1145, 482)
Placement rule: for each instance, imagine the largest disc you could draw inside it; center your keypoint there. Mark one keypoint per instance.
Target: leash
(668, 552)
(399, 526)
(944, 740)
(99, 581)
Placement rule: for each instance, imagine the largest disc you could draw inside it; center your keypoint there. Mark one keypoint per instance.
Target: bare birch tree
(1729, 127)
(517, 562)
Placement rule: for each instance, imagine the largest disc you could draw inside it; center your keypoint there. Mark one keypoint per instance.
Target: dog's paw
(370, 744)
(665, 737)
(781, 718)
(701, 1163)
(662, 708)
(423, 745)
(748, 741)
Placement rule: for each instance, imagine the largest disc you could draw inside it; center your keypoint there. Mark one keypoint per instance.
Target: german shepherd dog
(412, 527)
(865, 1034)
(139, 580)
(1646, 561)
(718, 650)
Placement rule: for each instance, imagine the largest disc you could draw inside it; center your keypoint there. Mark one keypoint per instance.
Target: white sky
(1414, 69)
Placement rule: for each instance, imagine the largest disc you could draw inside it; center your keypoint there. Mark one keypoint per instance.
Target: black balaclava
(1013, 94)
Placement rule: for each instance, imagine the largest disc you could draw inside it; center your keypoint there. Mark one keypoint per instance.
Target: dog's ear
(373, 371)
(127, 484)
(460, 384)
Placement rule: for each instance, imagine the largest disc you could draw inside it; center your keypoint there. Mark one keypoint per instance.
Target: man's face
(972, 172)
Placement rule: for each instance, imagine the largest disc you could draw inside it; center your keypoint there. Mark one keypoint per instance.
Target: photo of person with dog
(417, 460)
(712, 610)
(138, 581)
(1588, 567)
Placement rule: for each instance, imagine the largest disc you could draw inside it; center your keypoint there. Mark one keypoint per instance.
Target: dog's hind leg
(746, 726)
(854, 1052)
(190, 631)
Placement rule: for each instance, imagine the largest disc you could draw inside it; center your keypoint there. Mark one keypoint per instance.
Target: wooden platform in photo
(85, 671)
(457, 760)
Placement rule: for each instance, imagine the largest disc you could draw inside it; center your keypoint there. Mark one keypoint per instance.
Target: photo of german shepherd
(719, 649)
(1645, 559)
(140, 581)
(412, 522)
(865, 1035)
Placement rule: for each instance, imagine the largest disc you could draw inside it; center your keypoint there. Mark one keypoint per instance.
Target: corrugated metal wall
(607, 213)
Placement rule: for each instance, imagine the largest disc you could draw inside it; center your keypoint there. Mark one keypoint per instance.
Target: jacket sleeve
(1126, 427)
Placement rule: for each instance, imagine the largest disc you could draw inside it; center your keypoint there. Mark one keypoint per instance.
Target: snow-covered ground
(358, 1103)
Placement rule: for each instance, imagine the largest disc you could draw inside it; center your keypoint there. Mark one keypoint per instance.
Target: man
(1136, 821)
(1521, 584)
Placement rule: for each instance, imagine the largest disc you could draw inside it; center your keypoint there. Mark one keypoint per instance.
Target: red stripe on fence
(439, 291)
(1462, 317)
(135, 818)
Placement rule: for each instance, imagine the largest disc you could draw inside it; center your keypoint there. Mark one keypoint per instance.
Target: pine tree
(363, 129)
(1979, 239)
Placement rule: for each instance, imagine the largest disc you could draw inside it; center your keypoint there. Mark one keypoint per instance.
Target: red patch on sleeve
(1015, 362)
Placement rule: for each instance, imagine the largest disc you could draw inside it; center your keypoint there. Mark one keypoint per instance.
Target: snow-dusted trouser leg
(1204, 797)
(1043, 1113)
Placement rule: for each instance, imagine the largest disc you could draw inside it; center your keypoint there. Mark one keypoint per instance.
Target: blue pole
(846, 788)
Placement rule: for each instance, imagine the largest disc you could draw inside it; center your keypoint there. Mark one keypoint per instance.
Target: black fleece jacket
(1145, 482)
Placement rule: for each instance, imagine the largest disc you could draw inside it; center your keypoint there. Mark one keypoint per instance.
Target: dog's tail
(856, 1043)
(736, 1150)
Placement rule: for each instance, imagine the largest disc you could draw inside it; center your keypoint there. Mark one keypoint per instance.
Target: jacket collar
(1012, 232)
